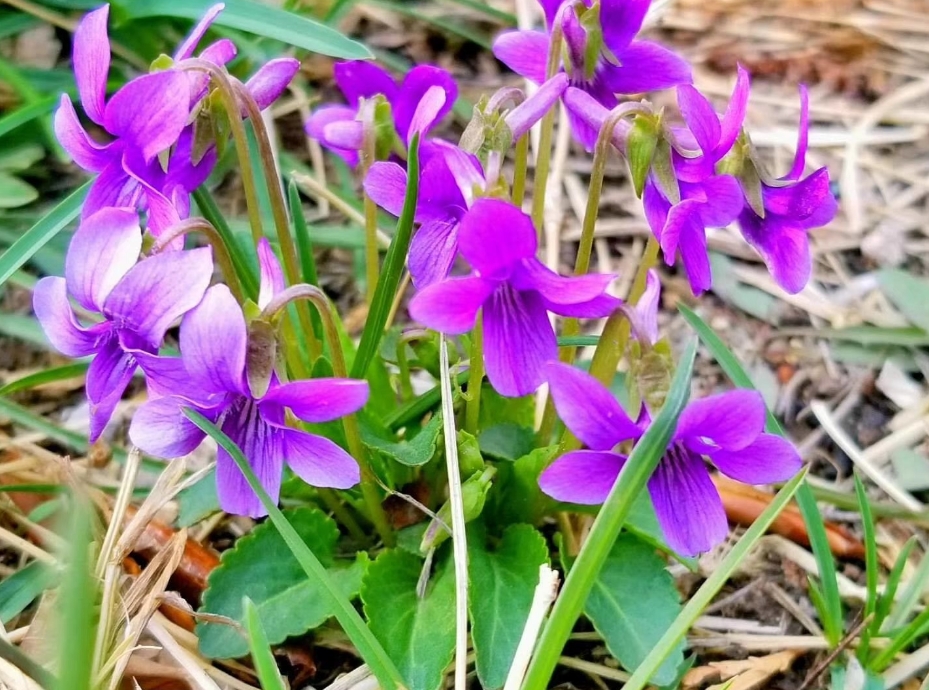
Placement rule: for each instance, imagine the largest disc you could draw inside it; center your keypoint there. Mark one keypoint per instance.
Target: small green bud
(470, 460)
(641, 143)
(473, 496)
(161, 63)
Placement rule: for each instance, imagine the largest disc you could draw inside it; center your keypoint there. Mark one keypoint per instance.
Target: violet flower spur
(727, 429)
(138, 302)
(707, 199)
(602, 57)
(213, 351)
(792, 207)
(425, 96)
(515, 291)
(447, 185)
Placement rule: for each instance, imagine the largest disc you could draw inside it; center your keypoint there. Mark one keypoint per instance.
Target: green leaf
(417, 634)
(632, 603)
(78, 600)
(497, 409)
(908, 293)
(262, 568)
(40, 233)
(44, 377)
(516, 496)
(503, 581)
(27, 113)
(22, 588)
(256, 18)
(268, 674)
(417, 451)
(198, 501)
(507, 441)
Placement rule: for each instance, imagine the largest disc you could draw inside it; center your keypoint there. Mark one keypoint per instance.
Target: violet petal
(582, 476)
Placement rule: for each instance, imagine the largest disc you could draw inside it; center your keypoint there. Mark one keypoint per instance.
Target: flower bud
(470, 460)
(473, 495)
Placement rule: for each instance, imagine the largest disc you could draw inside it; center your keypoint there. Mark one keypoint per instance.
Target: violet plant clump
(141, 295)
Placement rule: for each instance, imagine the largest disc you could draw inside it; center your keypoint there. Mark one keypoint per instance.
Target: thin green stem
(369, 487)
(544, 158)
(372, 253)
(342, 514)
(475, 377)
(519, 174)
(630, 483)
(361, 636)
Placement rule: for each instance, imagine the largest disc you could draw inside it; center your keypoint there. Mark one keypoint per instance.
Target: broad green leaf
(417, 451)
(516, 496)
(256, 18)
(908, 293)
(262, 568)
(503, 581)
(15, 193)
(632, 603)
(198, 501)
(22, 588)
(911, 469)
(507, 441)
(21, 157)
(417, 634)
(40, 233)
(496, 409)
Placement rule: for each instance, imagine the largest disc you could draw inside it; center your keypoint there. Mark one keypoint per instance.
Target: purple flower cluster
(125, 302)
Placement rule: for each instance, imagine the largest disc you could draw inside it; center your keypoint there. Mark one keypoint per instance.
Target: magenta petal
(271, 80)
(582, 296)
(91, 57)
(800, 200)
(687, 504)
(656, 207)
(433, 251)
(113, 187)
(700, 117)
(588, 409)
(150, 112)
(524, 52)
(685, 232)
(495, 236)
(423, 83)
(724, 201)
(767, 459)
(102, 251)
(272, 276)
(427, 112)
(386, 183)
(728, 421)
(186, 49)
(646, 311)
(87, 153)
(518, 341)
(450, 306)
(107, 378)
(219, 53)
(318, 461)
(731, 124)
(803, 136)
(784, 246)
(262, 446)
(359, 79)
(319, 400)
(213, 343)
(160, 428)
(621, 20)
(52, 309)
(163, 375)
(521, 119)
(158, 291)
(648, 66)
(586, 115)
(582, 476)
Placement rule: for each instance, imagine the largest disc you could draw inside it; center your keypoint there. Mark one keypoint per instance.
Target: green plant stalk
(278, 206)
(909, 599)
(475, 377)
(263, 658)
(369, 488)
(544, 157)
(78, 602)
(372, 253)
(704, 595)
(631, 482)
(389, 280)
(27, 665)
(307, 263)
(403, 365)
(519, 174)
(899, 641)
(210, 211)
(220, 251)
(368, 647)
(415, 409)
(871, 568)
(333, 503)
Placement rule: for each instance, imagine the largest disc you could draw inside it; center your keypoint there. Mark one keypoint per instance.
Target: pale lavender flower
(727, 429)
(137, 301)
(213, 341)
(515, 291)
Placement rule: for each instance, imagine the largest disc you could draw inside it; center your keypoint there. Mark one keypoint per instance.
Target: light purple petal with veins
(359, 79)
(112, 187)
(160, 428)
(427, 112)
(418, 82)
(86, 152)
(271, 80)
(107, 378)
(318, 461)
(103, 250)
(272, 276)
(728, 421)
(262, 445)
(149, 112)
(319, 400)
(186, 49)
(91, 58)
(386, 184)
(213, 343)
(450, 306)
(322, 118)
(767, 459)
(495, 236)
(784, 245)
(648, 66)
(53, 310)
(433, 251)
(582, 476)
(561, 290)
(588, 409)
(524, 52)
(621, 20)
(158, 291)
(518, 341)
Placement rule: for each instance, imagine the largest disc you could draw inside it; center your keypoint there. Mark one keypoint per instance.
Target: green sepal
(470, 459)
(260, 356)
(590, 20)
(663, 167)
(386, 140)
(161, 63)
(473, 495)
(641, 144)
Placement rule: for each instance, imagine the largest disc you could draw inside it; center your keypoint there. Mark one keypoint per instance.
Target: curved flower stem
(372, 255)
(332, 501)
(475, 377)
(519, 175)
(220, 250)
(278, 210)
(369, 488)
(544, 158)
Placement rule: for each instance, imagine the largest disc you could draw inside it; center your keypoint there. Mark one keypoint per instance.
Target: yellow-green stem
(544, 158)
(475, 376)
(372, 255)
(522, 166)
(342, 514)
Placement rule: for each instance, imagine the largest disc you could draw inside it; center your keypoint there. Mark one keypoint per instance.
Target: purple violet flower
(424, 97)
(516, 292)
(621, 65)
(727, 429)
(213, 352)
(706, 198)
(448, 182)
(644, 315)
(137, 300)
(792, 207)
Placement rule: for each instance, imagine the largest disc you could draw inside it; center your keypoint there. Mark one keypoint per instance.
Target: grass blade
(79, 605)
(390, 274)
(368, 647)
(703, 596)
(40, 378)
(26, 113)
(45, 229)
(871, 567)
(631, 482)
(268, 674)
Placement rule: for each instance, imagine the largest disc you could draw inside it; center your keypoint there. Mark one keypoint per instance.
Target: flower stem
(475, 377)
(372, 255)
(369, 487)
(341, 513)
(519, 175)
(544, 157)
